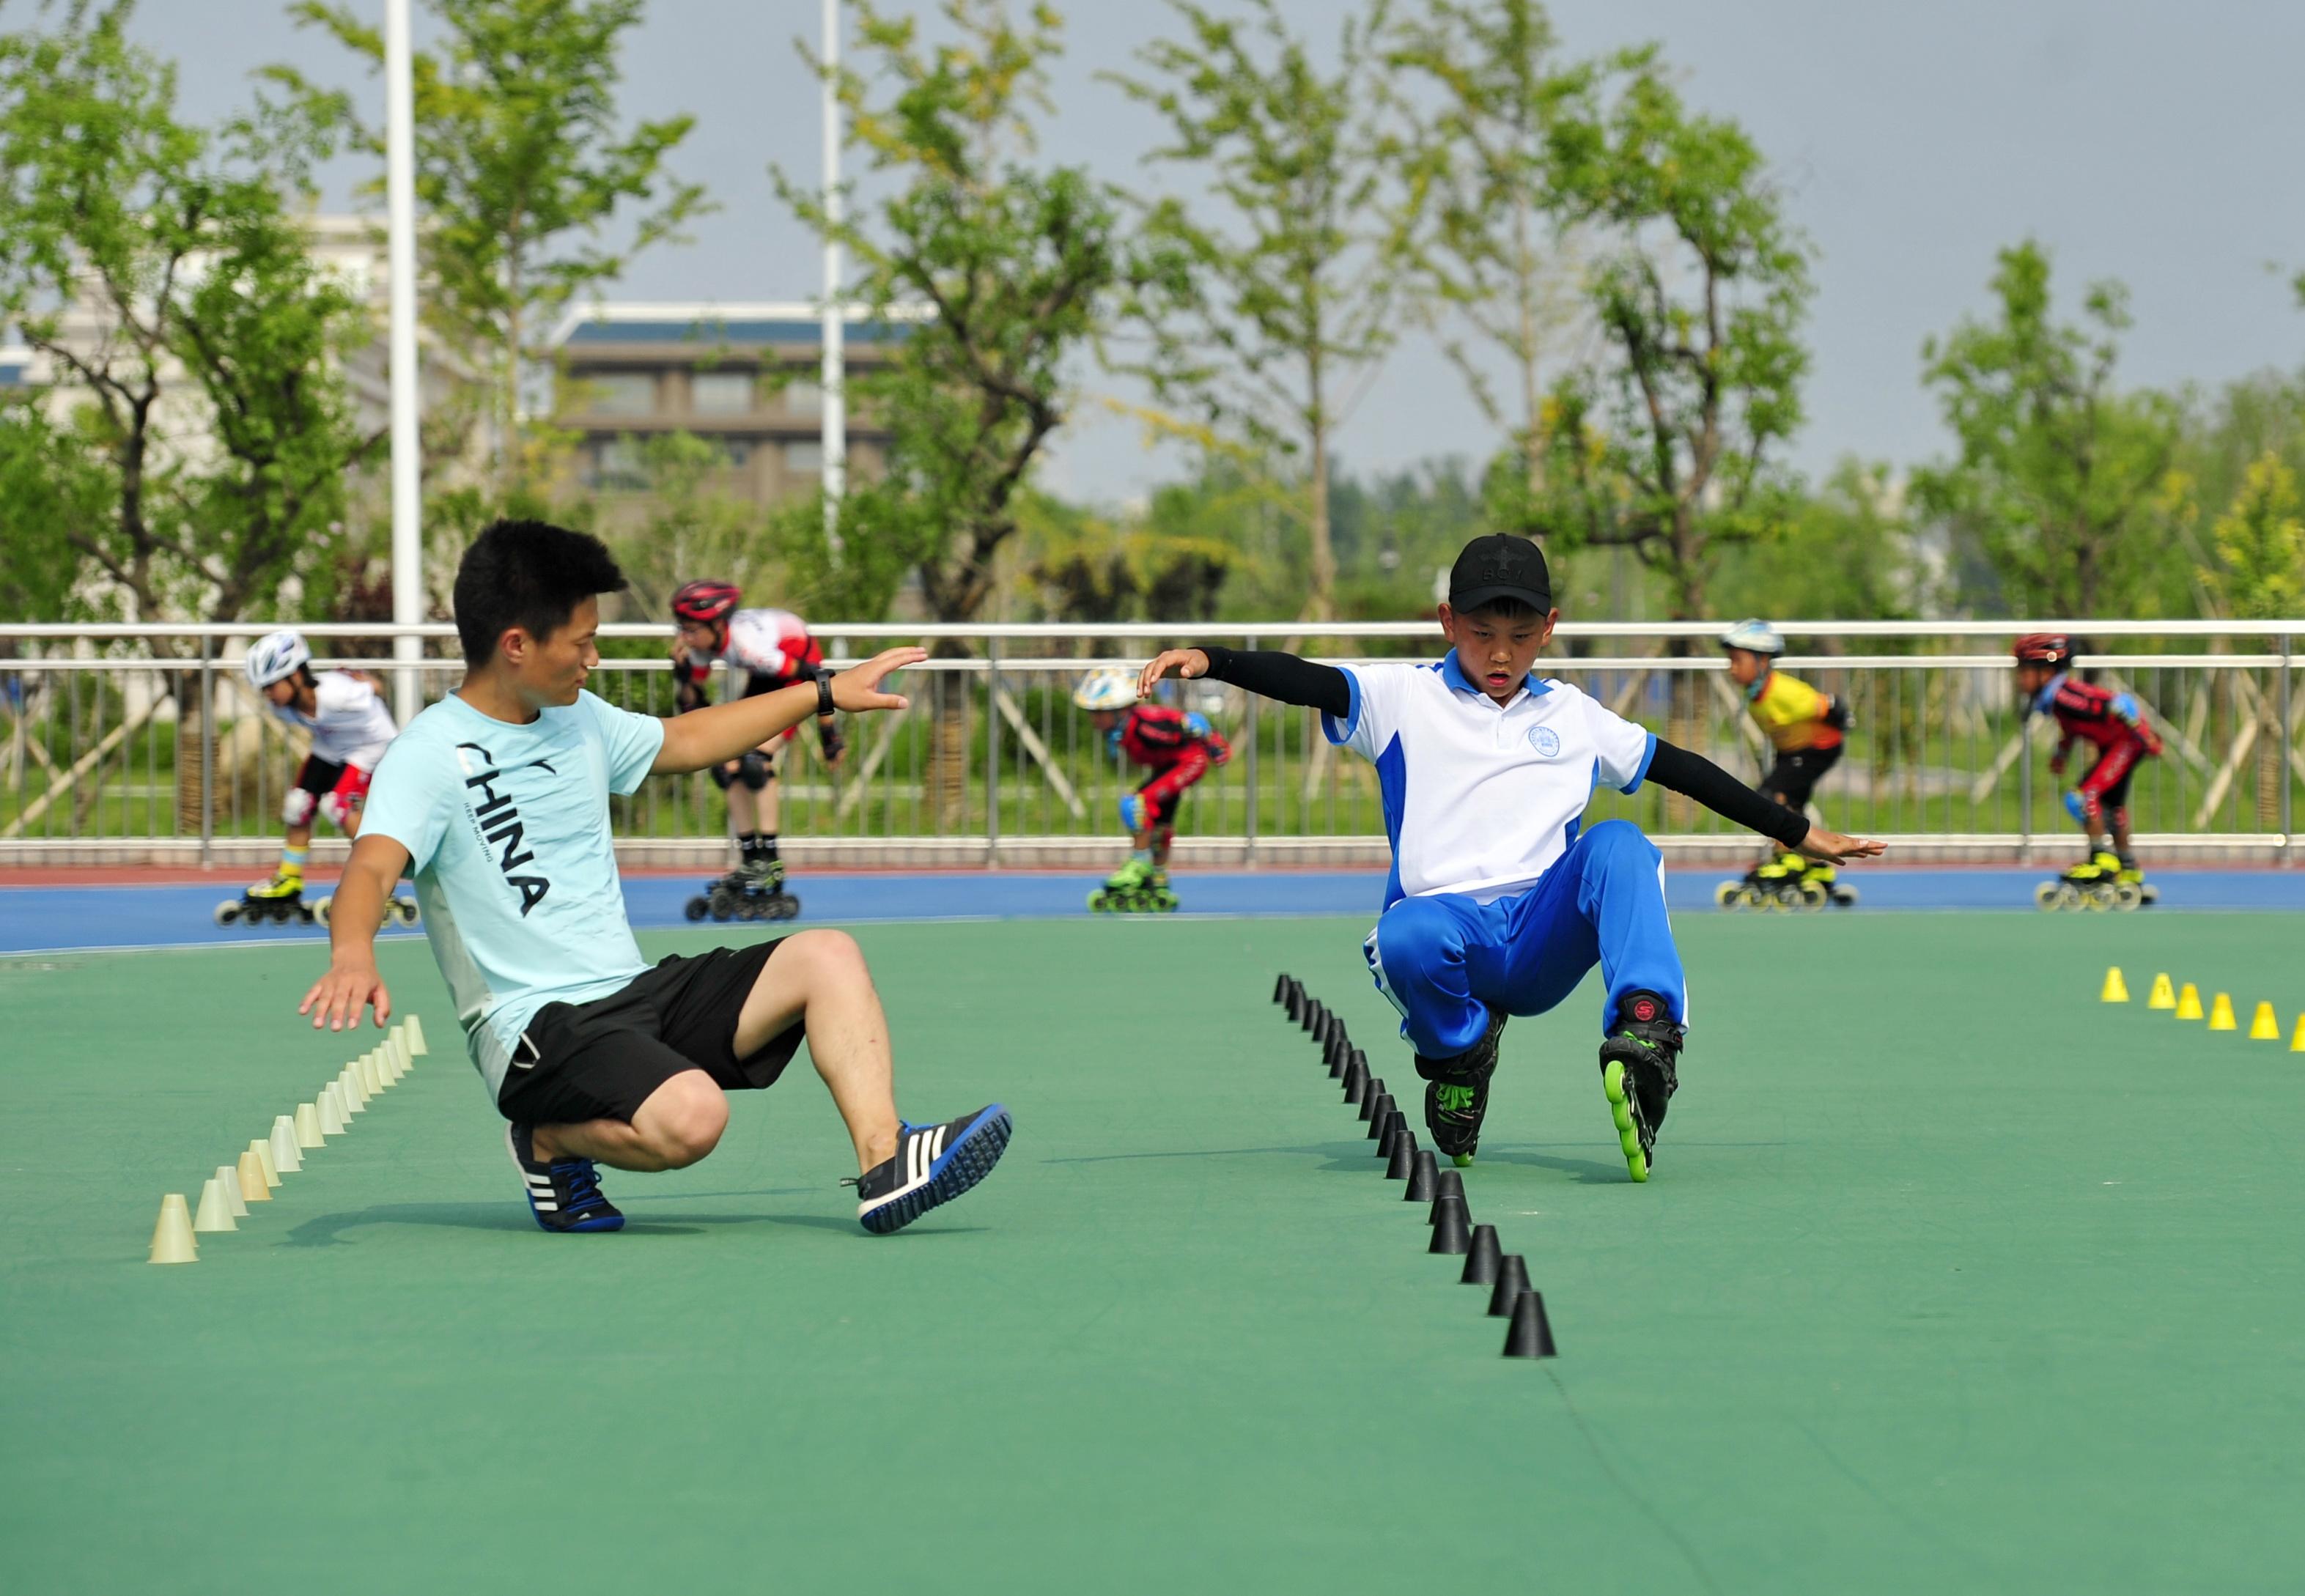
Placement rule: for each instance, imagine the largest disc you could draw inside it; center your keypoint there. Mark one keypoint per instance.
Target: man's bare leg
(818, 978)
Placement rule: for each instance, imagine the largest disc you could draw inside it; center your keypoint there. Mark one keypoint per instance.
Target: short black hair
(1505, 609)
(526, 573)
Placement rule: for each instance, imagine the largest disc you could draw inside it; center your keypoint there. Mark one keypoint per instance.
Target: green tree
(1497, 278)
(689, 525)
(1842, 550)
(1295, 239)
(188, 455)
(1671, 445)
(999, 270)
(2061, 481)
(2260, 576)
(522, 167)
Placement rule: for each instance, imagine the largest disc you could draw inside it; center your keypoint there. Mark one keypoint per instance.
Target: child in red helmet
(773, 648)
(2116, 724)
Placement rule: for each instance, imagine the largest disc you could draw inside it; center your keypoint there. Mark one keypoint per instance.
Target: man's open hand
(338, 997)
(858, 688)
(1833, 848)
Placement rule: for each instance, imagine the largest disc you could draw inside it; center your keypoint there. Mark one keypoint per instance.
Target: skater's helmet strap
(1106, 690)
(276, 657)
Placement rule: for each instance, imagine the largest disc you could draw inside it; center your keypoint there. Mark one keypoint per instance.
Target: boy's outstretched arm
(1267, 673)
(1693, 775)
(729, 731)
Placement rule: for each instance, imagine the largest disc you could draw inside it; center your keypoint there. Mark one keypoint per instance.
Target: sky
(2151, 143)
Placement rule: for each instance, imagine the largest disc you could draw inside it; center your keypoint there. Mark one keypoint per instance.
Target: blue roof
(692, 330)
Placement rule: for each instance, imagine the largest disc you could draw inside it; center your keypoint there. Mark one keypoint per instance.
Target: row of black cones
(1510, 1297)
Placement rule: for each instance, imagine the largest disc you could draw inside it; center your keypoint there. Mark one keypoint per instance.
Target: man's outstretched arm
(352, 982)
(1267, 673)
(1693, 775)
(724, 732)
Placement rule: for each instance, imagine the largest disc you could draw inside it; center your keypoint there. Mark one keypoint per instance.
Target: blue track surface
(44, 919)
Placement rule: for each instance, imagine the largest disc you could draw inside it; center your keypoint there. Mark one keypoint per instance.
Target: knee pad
(296, 809)
(2092, 808)
(334, 806)
(753, 770)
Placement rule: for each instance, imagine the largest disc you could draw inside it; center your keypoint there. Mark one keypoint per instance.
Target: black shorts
(319, 777)
(602, 1059)
(1796, 774)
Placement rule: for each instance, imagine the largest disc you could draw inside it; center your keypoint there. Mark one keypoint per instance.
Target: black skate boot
(1457, 1095)
(1639, 1073)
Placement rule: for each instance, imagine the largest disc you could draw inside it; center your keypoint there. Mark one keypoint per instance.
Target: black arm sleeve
(1283, 677)
(1693, 776)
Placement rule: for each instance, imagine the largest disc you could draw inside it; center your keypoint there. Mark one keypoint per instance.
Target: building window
(803, 459)
(617, 467)
(739, 450)
(721, 393)
(803, 398)
(620, 393)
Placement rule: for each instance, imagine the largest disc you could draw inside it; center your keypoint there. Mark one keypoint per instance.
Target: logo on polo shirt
(1544, 740)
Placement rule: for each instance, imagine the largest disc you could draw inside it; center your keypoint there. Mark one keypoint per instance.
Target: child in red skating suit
(1178, 747)
(2113, 722)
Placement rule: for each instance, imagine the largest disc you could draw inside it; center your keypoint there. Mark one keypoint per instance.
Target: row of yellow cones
(2185, 1003)
(224, 1196)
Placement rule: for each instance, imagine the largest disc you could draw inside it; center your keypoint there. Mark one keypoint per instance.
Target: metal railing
(143, 744)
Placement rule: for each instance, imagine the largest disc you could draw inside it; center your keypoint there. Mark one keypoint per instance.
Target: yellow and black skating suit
(1805, 726)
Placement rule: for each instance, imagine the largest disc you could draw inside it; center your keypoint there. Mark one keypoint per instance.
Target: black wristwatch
(824, 704)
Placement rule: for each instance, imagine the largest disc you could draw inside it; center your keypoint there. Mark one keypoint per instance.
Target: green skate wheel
(1725, 895)
(1815, 894)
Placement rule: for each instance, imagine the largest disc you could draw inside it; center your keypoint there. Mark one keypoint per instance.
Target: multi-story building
(743, 376)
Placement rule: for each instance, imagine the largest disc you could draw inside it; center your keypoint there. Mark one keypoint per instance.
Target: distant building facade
(745, 377)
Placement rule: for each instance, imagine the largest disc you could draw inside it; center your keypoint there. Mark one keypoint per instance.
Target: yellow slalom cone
(287, 1155)
(2164, 995)
(2262, 1026)
(308, 1127)
(2297, 1043)
(332, 1116)
(172, 1237)
(416, 1048)
(2188, 1003)
(227, 1180)
(2221, 1013)
(2116, 990)
(250, 1172)
(216, 1207)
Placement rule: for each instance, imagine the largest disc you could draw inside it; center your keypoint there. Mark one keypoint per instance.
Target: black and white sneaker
(564, 1195)
(934, 1164)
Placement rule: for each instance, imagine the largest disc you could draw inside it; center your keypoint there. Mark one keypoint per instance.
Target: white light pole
(833, 377)
(400, 207)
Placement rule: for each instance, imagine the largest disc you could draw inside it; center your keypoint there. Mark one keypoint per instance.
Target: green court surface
(1950, 1279)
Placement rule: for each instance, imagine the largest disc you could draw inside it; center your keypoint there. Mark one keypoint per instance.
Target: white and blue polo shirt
(1481, 798)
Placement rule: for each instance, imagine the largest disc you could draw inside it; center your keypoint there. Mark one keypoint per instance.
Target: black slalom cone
(1296, 1003)
(1314, 1013)
(1402, 1159)
(1380, 1112)
(1443, 1203)
(1420, 1180)
(1370, 1092)
(1453, 1184)
(1530, 1335)
(1355, 1083)
(1481, 1262)
(1280, 988)
(1387, 1133)
(1449, 1234)
(1512, 1279)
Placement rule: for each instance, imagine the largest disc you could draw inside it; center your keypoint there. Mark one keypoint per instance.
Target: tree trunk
(194, 757)
(947, 784)
(2270, 775)
(1322, 605)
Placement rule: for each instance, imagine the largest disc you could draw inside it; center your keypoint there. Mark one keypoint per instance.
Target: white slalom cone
(216, 1207)
(416, 1048)
(350, 1100)
(373, 1079)
(332, 1116)
(250, 1175)
(309, 1133)
(227, 1180)
(172, 1237)
(271, 1171)
(395, 1053)
(286, 1156)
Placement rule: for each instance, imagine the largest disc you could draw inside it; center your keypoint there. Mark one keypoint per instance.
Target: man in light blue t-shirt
(497, 799)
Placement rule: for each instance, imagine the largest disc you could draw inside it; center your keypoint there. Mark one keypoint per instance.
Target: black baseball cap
(1499, 566)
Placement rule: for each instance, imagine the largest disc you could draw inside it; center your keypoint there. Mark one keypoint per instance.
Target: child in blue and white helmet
(350, 726)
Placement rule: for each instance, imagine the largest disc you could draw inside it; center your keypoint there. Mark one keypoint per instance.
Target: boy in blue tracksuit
(1499, 899)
